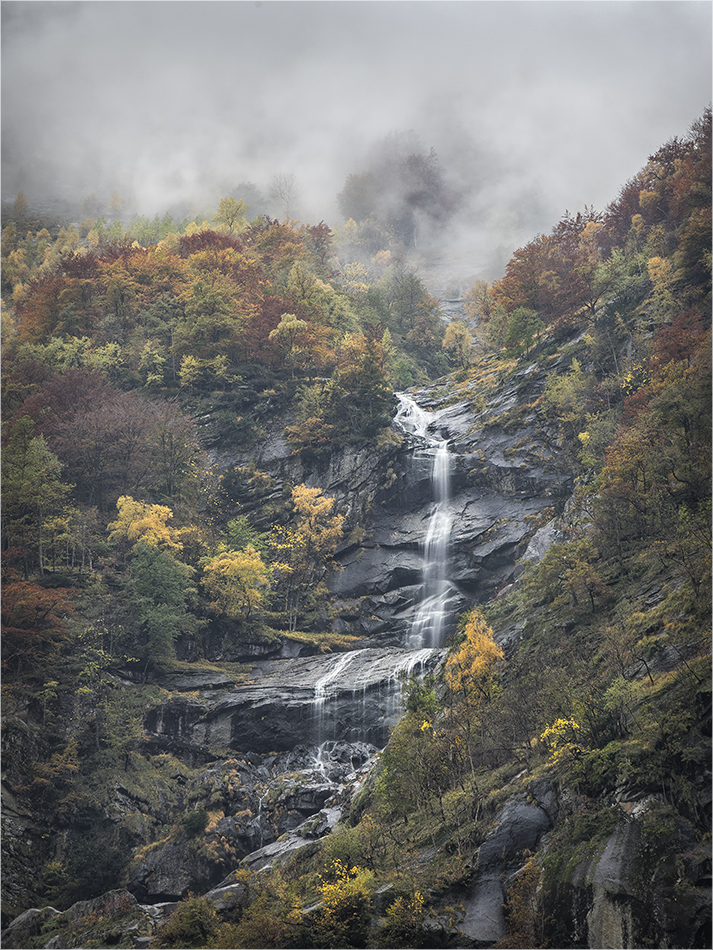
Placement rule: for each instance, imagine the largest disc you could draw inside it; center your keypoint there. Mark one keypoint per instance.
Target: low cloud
(533, 108)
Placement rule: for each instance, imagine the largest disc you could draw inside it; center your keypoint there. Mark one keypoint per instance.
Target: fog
(533, 108)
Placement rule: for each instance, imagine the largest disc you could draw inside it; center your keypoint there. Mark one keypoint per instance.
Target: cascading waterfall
(353, 685)
(352, 674)
(413, 662)
(429, 626)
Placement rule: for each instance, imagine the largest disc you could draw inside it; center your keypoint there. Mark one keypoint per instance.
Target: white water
(358, 695)
(429, 625)
(413, 663)
(328, 684)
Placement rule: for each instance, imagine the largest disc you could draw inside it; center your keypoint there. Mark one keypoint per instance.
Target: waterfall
(326, 685)
(354, 675)
(356, 696)
(415, 661)
(429, 625)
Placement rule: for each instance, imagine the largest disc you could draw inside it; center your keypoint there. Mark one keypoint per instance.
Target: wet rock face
(641, 889)
(308, 700)
(504, 482)
(503, 485)
(520, 827)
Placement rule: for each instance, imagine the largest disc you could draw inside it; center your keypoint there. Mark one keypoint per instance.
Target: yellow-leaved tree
(291, 334)
(458, 342)
(137, 522)
(304, 555)
(344, 915)
(472, 676)
(235, 580)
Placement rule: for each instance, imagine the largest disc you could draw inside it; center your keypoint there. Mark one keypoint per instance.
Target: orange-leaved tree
(472, 677)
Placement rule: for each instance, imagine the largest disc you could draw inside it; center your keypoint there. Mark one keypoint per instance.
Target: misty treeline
(125, 362)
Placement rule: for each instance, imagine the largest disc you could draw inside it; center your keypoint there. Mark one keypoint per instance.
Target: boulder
(520, 826)
(169, 871)
(27, 925)
(228, 895)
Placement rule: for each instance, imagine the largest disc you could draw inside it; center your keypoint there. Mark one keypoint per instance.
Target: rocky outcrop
(519, 829)
(505, 483)
(113, 918)
(305, 701)
(27, 925)
(507, 480)
(256, 810)
(648, 885)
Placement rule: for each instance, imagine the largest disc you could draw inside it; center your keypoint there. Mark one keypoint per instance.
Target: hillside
(271, 677)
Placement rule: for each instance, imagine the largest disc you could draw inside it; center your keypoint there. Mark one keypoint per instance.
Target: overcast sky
(534, 107)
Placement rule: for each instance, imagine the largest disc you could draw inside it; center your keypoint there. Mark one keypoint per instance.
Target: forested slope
(130, 550)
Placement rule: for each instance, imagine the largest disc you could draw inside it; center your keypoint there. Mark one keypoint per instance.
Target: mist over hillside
(531, 108)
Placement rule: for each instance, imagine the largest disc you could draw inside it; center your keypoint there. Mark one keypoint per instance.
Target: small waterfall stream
(430, 622)
(327, 685)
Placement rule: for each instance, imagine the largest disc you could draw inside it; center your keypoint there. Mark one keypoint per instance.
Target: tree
(194, 923)
(479, 302)
(231, 214)
(523, 327)
(358, 199)
(344, 916)
(156, 593)
(33, 492)
(34, 625)
(402, 190)
(418, 764)
(290, 332)
(362, 392)
(555, 275)
(98, 433)
(139, 523)
(236, 580)
(176, 454)
(120, 287)
(354, 405)
(285, 189)
(240, 533)
(471, 674)
(304, 555)
(212, 320)
(458, 342)
(567, 396)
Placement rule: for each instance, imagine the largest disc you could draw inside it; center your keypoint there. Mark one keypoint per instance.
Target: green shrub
(195, 823)
(193, 924)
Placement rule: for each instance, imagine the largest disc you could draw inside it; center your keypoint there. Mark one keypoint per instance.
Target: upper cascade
(435, 607)
(412, 418)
